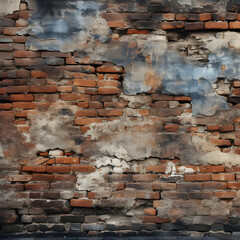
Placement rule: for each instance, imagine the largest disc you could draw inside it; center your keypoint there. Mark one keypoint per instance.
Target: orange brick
(234, 25)
(158, 203)
(213, 128)
(109, 69)
(150, 211)
(216, 25)
(71, 61)
(222, 142)
(108, 90)
(21, 97)
(225, 195)
(155, 219)
(43, 89)
(136, 31)
(87, 169)
(97, 105)
(156, 169)
(65, 88)
(197, 177)
(205, 17)
(234, 185)
(112, 112)
(108, 83)
(181, 16)
(83, 105)
(143, 112)
(87, 121)
(38, 74)
(74, 97)
(5, 106)
(172, 25)
(223, 177)
(58, 169)
(67, 160)
(11, 30)
(227, 128)
(17, 89)
(81, 203)
(211, 168)
(84, 83)
(87, 113)
(24, 105)
(171, 128)
(236, 83)
(182, 98)
(26, 54)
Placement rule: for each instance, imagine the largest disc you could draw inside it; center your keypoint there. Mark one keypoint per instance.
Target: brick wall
(79, 154)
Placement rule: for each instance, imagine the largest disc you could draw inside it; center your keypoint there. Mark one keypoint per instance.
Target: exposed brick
(43, 89)
(215, 185)
(234, 185)
(109, 69)
(156, 169)
(171, 128)
(43, 177)
(17, 89)
(137, 31)
(109, 113)
(172, 25)
(227, 128)
(181, 16)
(87, 169)
(84, 83)
(24, 105)
(211, 168)
(216, 25)
(164, 186)
(145, 177)
(222, 142)
(155, 219)
(58, 169)
(81, 203)
(205, 17)
(26, 54)
(150, 211)
(197, 177)
(225, 195)
(223, 177)
(21, 97)
(36, 186)
(194, 26)
(19, 178)
(200, 195)
(87, 121)
(64, 177)
(38, 74)
(63, 185)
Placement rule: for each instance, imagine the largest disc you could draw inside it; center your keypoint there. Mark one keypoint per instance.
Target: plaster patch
(8, 7)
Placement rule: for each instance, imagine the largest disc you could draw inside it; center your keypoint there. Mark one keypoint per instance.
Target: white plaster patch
(8, 7)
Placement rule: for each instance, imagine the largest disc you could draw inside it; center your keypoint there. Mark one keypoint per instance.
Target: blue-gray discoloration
(77, 25)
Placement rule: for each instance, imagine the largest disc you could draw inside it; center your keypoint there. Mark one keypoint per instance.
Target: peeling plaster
(8, 6)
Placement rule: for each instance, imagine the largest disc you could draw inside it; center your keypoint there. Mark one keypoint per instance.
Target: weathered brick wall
(120, 116)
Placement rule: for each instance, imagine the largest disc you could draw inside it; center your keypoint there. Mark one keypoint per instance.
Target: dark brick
(73, 219)
(40, 219)
(157, 8)
(219, 16)
(58, 228)
(196, 10)
(172, 226)
(51, 195)
(217, 227)
(232, 228)
(193, 17)
(198, 227)
(200, 195)
(44, 228)
(230, 16)
(188, 187)
(208, 9)
(7, 22)
(194, 26)
(7, 228)
(150, 226)
(232, 7)
(32, 228)
(145, 25)
(141, 16)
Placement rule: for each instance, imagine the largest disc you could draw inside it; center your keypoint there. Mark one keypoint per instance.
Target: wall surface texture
(120, 117)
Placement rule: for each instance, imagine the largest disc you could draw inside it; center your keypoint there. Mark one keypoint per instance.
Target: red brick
(86, 113)
(26, 54)
(67, 160)
(11, 30)
(97, 105)
(23, 73)
(36, 186)
(215, 185)
(25, 105)
(234, 25)
(225, 195)
(137, 31)
(213, 128)
(21, 97)
(234, 185)
(172, 25)
(64, 177)
(65, 88)
(155, 219)
(19, 178)
(108, 90)
(205, 17)
(74, 97)
(211, 168)
(84, 83)
(150, 211)
(216, 25)
(171, 128)
(192, 26)
(58, 169)
(108, 113)
(108, 83)
(43, 177)
(197, 177)
(81, 203)
(17, 89)
(109, 69)
(223, 177)
(5, 106)
(38, 74)
(43, 89)
(87, 169)
(222, 142)
(144, 177)
(227, 128)
(156, 169)
(20, 39)
(87, 121)
(83, 105)
(181, 16)
(164, 186)
(182, 98)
